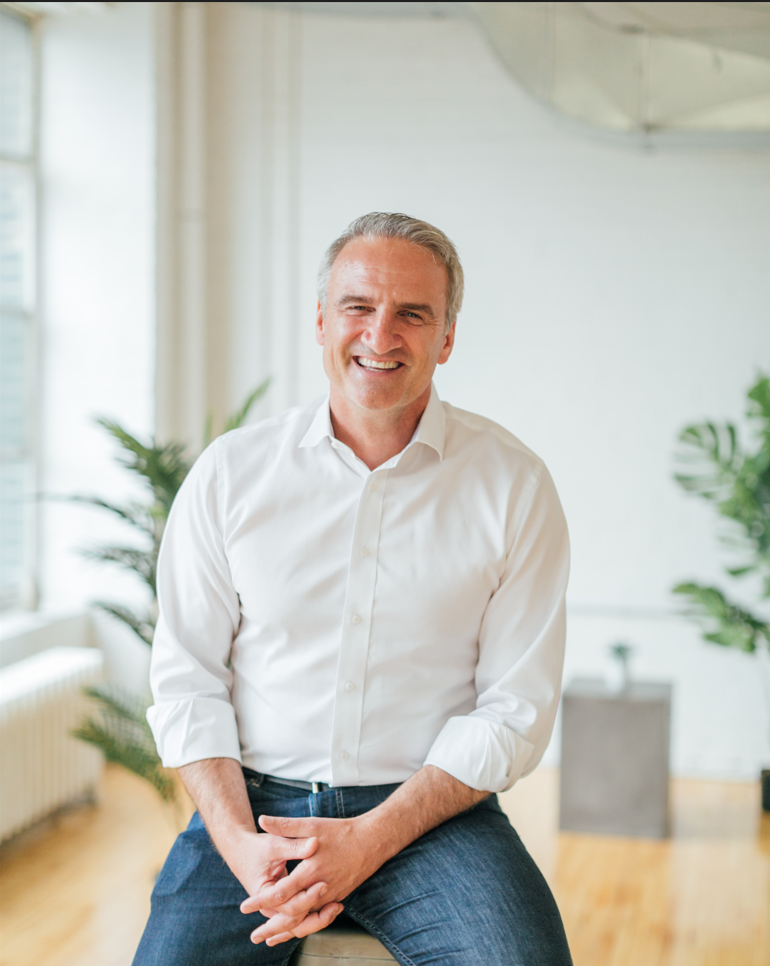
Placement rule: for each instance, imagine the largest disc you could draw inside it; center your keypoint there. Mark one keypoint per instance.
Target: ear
(449, 341)
(319, 325)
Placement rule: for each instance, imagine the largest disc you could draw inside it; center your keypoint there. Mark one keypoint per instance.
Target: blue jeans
(465, 894)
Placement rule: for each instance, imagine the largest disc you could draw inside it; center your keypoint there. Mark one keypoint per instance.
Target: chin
(376, 399)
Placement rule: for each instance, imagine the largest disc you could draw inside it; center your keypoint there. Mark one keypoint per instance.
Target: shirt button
(364, 552)
(356, 619)
(344, 756)
(350, 686)
(373, 485)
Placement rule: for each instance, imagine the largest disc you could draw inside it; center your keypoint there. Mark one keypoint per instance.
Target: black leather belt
(314, 787)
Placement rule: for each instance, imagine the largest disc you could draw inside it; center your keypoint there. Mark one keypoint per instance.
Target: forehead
(391, 265)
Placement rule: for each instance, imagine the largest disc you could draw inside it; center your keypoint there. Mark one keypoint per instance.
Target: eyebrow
(410, 306)
(350, 299)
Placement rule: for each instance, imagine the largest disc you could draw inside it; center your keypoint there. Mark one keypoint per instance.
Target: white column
(180, 385)
(281, 71)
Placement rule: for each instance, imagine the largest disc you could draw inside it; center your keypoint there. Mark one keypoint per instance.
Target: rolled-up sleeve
(192, 717)
(521, 654)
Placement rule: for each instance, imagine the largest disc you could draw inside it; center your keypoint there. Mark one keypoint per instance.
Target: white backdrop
(613, 294)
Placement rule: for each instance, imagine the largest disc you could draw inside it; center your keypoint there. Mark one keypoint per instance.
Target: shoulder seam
(491, 428)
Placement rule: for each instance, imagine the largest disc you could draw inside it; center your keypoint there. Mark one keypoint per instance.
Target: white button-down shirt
(324, 622)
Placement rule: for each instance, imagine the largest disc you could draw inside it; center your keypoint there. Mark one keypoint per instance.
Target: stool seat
(345, 943)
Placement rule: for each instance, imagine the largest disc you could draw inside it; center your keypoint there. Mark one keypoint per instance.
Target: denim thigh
(195, 919)
(465, 893)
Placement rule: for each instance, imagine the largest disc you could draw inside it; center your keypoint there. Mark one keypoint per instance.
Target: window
(17, 308)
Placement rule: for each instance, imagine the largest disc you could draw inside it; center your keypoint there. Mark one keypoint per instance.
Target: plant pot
(765, 789)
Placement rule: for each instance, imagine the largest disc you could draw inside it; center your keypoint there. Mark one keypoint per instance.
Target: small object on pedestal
(614, 758)
(617, 672)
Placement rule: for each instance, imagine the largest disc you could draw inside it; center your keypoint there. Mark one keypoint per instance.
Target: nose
(381, 333)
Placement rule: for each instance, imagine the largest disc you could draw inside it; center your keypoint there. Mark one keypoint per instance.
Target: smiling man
(360, 642)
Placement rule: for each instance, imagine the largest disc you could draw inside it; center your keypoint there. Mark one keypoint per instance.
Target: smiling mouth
(374, 364)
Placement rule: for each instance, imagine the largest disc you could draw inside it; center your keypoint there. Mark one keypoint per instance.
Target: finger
(281, 928)
(304, 901)
(290, 828)
(275, 940)
(298, 905)
(285, 895)
(274, 894)
(276, 926)
(316, 921)
(283, 849)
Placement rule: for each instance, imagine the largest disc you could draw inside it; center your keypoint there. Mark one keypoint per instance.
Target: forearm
(428, 798)
(218, 789)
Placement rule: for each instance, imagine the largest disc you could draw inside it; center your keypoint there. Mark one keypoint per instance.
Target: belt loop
(252, 777)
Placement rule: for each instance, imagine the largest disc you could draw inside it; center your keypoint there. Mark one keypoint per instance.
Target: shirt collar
(430, 430)
(321, 426)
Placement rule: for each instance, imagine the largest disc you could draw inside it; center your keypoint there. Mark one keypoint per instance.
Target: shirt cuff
(480, 753)
(194, 729)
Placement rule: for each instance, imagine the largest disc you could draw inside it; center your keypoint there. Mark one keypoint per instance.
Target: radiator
(41, 765)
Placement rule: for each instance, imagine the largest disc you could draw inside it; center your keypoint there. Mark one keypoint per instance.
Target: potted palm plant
(118, 726)
(734, 477)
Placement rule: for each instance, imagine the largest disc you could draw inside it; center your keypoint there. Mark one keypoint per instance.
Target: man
(360, 641)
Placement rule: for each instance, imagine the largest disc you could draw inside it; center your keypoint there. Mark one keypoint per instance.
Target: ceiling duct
(622, 67)
(640, 67)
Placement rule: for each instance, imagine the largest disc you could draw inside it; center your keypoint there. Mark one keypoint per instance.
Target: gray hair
(385, 224)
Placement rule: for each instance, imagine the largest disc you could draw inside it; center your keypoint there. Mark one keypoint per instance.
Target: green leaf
(740, 571)
(114, 701)
(163, 468)
(139, 561)
(759, 400)
(131, 755)
(238, 418)
(725, 623)
(714, 465)
(143, 626)
(122, 733)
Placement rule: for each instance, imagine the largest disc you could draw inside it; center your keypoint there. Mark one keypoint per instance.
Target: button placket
(356, 630)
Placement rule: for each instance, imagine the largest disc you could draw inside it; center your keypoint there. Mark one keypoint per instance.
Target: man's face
(384, 328)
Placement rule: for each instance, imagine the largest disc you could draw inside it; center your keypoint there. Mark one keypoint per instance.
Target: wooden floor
(75, 891)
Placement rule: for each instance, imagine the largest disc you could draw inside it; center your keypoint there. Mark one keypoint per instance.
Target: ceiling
(624, 67)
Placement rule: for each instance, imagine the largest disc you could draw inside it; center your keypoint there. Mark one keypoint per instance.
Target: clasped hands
(336, 855)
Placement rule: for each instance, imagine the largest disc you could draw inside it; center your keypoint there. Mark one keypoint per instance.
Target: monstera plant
(118, 726)
(734, 476)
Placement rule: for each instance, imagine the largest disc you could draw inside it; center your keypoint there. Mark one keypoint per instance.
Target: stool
(342, 942)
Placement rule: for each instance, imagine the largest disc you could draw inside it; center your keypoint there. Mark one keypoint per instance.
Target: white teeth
(371, 364)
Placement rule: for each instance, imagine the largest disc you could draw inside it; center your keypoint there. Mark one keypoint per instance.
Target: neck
(375, 435)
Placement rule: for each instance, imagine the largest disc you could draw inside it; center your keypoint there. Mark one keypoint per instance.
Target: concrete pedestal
(345, 943)
(614, 759)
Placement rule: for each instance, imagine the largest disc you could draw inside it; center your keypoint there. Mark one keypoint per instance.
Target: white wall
(613, 295)
(97, 284)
